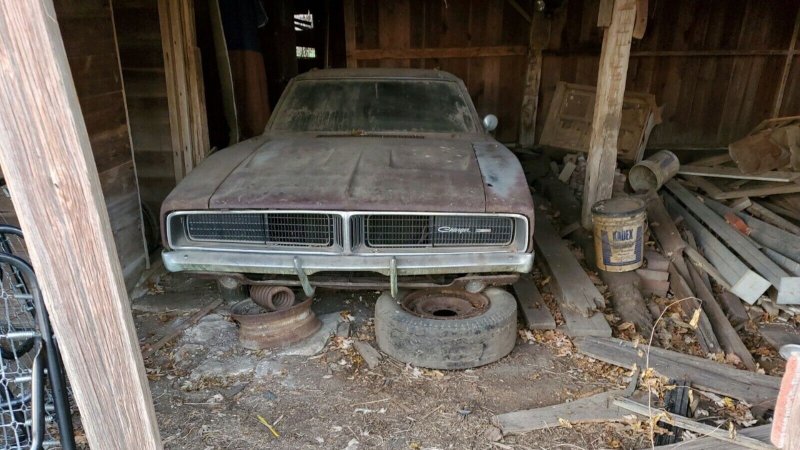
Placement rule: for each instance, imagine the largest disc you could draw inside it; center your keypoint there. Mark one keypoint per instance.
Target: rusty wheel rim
(445, 304)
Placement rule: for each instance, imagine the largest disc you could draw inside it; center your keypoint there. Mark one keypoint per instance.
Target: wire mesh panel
(226, 227)
(391, 231)
(279, 229)
(295, 229)
(409, 231)
(18, 346)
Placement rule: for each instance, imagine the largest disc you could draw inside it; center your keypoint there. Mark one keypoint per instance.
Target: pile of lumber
(722, 254)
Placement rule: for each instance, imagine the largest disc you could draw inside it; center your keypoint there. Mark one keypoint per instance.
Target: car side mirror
(490, 122)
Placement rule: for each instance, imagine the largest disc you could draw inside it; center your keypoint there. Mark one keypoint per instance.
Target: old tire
(451, 343)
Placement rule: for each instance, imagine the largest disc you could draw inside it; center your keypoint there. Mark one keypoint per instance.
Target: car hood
(356, 173)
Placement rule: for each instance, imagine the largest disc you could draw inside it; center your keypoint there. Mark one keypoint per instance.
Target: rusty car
(363, 178)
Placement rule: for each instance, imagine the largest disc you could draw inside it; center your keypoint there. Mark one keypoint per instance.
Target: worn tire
(447, 344)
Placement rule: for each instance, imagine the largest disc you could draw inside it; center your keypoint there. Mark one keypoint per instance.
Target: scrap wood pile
(716, 295)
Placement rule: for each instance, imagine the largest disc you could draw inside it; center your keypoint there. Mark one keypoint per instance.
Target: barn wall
(495, 82)
(87, 29)
(715, 65)
(708, 100)
(142, 59)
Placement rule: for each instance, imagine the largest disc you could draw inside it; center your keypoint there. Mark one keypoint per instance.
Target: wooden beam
(593, 409)
(350, 32)
(48, 164)
(763, 233)
(531, 305)
(692, 425)
(578, 298)
(613, 72)
(760, 191)
(787, 68)
(639, 28)
(788, 287)
(538, 39)
(188, 120)
(768, 216)
(735, 173)
(760, 432)
(741, 281)
(703, 374)
(440, 53)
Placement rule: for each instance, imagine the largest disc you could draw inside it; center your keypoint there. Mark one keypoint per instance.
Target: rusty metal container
(619, 233)
(653, 172)
(259, 329)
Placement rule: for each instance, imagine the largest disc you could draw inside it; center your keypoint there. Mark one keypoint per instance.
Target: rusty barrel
(653, 172)
(619, 233)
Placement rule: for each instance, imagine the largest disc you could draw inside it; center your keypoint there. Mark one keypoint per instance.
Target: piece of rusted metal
(259, 329)
(445, 303)
(272, 298)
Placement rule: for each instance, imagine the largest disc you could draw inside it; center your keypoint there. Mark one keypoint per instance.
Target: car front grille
(276, 229)
(410, 231)
(344, 232)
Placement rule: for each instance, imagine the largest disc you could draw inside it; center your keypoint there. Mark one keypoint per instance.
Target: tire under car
(455, 336)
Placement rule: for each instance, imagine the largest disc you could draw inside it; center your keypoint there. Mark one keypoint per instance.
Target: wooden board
(779, 334)
(702, 373)
(532, 307)
(577, 296)
(788, 287)
(761, 432)
(743, 282)
(763, 233)
(592, 409)
(759, 191)
(733, 172)
(569, 120)
(47, 160)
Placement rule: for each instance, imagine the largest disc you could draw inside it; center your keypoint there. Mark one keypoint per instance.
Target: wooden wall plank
(88, 32)
(47, 159)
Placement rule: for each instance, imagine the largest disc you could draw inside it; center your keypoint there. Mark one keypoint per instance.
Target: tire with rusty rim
(447, 329)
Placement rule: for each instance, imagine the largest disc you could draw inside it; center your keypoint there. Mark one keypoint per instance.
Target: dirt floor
(209, 392)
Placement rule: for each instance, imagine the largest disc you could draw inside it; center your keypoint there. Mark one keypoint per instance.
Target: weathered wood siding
(139, 38)
(495, 82)
(715, 65)
(88, 32)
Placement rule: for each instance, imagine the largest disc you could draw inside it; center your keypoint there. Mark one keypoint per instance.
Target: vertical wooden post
(611, 77)
(539, 37)
(185, 91)
(787, 67)
(48, 163)
(350, 32)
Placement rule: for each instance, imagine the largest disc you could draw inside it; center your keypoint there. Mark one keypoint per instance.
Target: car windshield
(374, 105)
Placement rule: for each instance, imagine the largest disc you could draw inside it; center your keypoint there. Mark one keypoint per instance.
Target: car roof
(393, 73)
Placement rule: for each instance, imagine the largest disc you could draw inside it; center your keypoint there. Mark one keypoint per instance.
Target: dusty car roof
(420, 74)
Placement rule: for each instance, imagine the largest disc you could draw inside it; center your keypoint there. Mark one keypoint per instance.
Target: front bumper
(302, 265)
(308, 264)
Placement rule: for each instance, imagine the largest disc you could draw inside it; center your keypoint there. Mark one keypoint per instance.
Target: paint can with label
(653, 172)
(619, 233)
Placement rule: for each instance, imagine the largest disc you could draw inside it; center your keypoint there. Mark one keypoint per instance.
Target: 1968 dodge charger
(363, 177)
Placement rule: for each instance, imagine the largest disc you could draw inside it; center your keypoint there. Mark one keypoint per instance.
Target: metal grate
(410, 231)
(280, 229)
(18, 346)
(398, 231)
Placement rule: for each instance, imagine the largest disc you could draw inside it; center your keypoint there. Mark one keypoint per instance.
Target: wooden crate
(569, 121)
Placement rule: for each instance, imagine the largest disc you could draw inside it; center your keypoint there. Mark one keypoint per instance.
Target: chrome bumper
(386, 264)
